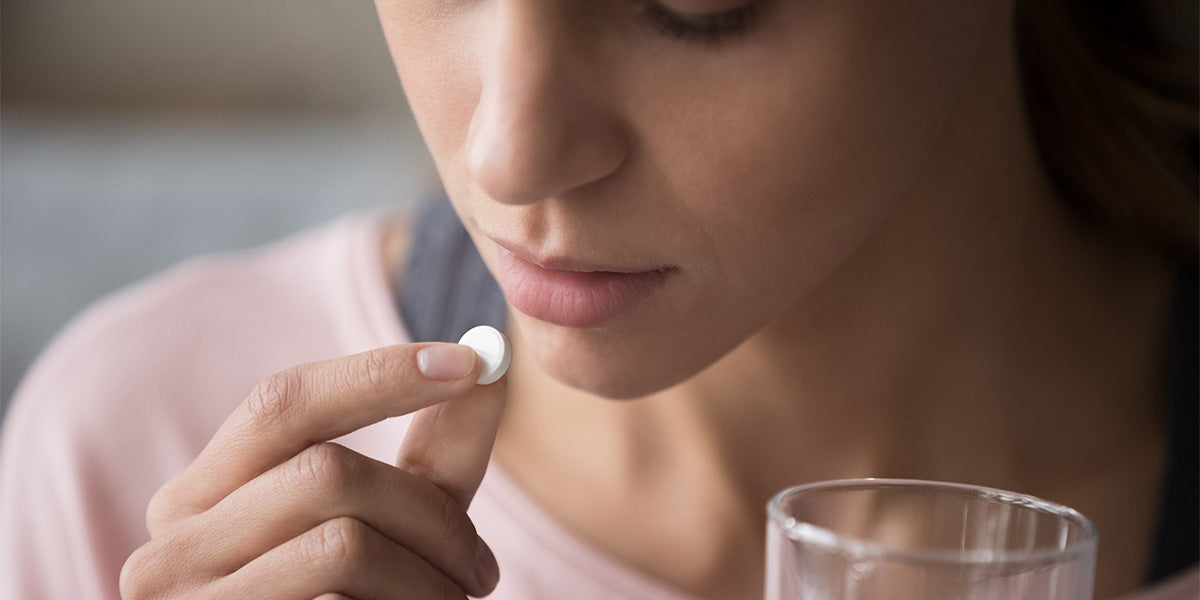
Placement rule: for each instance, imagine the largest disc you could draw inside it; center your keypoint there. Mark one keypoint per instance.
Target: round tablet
(493, 349)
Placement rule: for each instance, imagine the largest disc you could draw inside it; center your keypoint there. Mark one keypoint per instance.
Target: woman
(741, 245)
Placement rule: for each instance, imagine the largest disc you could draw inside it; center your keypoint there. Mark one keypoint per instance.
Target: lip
(573, 293)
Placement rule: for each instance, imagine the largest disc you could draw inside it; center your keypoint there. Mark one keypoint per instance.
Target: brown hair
(1113, 104)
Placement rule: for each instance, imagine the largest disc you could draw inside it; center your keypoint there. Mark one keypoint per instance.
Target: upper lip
(565, 263)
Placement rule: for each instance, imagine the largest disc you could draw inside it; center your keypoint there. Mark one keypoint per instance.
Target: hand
(272, 509)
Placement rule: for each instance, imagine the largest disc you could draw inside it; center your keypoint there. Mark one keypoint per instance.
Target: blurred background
(135, 133)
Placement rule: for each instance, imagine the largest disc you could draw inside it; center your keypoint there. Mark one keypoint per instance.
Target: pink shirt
(132, 390)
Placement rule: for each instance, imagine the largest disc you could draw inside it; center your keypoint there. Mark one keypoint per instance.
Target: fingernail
(446, 362)
(485, 566)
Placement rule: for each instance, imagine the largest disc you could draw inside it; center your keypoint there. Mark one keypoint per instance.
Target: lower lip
(580, 300)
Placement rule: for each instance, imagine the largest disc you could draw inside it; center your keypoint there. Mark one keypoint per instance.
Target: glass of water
(870, 539)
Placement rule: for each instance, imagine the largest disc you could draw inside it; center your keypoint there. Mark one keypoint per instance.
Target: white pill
(493, 349)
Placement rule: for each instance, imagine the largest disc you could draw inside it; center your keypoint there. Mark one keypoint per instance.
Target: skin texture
(271, 508)
(580, 132)
(869, 275)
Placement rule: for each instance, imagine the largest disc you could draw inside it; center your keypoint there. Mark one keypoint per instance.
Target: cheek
(439, 73)
(791, 163)
(762, 172)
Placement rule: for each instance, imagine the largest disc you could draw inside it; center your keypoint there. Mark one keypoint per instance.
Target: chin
(610, 387)
(609, 363)
(614, 384)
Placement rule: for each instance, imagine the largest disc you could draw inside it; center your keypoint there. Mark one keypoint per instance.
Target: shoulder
(198, 316)
(188, 342)
(171, 356)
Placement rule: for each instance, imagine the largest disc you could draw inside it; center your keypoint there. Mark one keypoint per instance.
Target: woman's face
(653, 183)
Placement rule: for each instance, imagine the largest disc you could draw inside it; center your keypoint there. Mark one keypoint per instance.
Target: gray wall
(222, 54)
(137, 133)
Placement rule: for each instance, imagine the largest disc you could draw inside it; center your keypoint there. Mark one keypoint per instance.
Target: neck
(994, 346)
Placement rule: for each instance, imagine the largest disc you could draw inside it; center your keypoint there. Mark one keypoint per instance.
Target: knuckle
(371, 369)
(336, 545)
(271, 400)
(370, 372)
(169, 506)
(137, 578)
(325, 467)
(161, 510)
(131, 583)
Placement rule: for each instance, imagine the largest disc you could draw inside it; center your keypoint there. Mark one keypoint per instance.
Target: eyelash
(707, 29)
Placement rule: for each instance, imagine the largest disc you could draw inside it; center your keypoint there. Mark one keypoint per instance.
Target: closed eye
(705, 28)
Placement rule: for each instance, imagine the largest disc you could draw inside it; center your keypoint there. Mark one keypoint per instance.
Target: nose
(541, 127)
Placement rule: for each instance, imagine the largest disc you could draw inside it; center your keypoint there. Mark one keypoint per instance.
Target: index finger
(313, 403)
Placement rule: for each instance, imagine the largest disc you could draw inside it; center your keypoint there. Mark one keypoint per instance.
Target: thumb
(449, 444)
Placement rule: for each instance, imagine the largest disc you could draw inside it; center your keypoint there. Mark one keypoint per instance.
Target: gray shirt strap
(445, 288)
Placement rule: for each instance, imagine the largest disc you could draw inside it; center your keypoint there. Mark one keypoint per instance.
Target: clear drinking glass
(870, 539)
